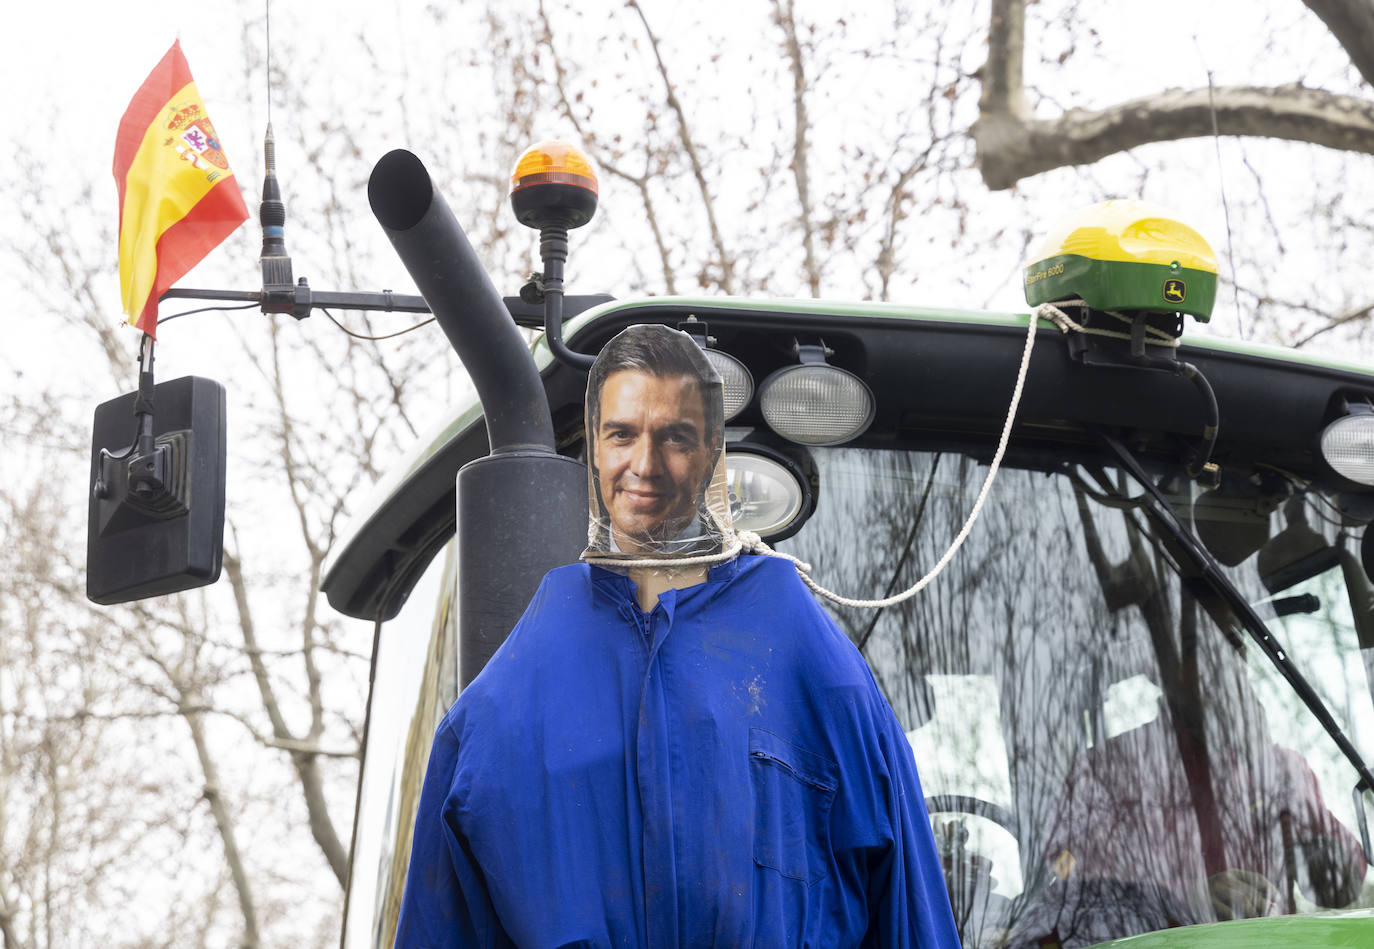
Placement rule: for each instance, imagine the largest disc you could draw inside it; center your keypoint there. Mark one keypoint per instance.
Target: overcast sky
(73, 66)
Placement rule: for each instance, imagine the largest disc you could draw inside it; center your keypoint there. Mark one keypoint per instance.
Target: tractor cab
(1138, 699)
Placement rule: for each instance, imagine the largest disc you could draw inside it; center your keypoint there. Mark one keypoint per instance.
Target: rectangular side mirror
(157, 521)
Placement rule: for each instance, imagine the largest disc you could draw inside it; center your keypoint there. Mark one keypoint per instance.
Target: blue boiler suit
(720, 771)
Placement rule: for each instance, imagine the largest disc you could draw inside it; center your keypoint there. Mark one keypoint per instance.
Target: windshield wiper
(1162, 514)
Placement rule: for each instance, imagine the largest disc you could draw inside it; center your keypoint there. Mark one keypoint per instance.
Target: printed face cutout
(655, 447)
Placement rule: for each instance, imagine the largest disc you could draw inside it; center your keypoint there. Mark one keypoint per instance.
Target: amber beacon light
(553, 188)
(553, 185)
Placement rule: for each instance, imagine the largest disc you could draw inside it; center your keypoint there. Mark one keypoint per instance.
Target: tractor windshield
(1103, 749)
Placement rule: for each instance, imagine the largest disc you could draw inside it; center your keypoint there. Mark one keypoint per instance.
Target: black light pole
(553, 189)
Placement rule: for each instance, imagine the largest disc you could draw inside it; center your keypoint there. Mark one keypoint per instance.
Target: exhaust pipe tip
(399, 190)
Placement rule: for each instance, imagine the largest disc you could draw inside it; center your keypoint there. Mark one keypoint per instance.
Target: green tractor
(1141, 693)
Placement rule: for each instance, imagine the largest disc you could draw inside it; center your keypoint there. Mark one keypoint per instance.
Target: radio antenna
(278, 288)
(269, 63)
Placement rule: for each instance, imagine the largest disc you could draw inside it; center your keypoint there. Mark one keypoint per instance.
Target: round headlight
(816, 404)
(1348, 447)
(736, 384)
(766, 497)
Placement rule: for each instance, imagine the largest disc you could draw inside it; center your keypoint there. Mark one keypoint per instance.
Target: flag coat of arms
(178, 198)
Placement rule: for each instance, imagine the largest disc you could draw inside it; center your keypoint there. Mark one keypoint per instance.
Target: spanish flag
(177, 197)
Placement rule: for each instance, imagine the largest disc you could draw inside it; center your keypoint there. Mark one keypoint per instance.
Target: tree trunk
(1012, 146)
(225, 824)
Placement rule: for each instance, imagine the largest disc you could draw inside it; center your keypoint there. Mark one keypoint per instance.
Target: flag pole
(143, 405)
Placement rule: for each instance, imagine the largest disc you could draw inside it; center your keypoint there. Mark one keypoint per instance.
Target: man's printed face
(651, 455)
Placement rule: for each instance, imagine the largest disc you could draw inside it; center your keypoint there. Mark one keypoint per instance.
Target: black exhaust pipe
(467, 306)
(522, 510)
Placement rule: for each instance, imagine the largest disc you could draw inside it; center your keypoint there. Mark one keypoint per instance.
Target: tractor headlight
(769, 494)
(737, 385)
(816, 404)
(1348, 445)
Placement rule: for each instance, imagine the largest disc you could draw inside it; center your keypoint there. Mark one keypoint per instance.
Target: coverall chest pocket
(793, 792)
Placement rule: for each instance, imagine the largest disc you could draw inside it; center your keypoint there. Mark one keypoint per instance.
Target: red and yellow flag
(177, 197)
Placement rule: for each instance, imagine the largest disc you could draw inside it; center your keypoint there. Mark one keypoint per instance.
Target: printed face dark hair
(653, 455)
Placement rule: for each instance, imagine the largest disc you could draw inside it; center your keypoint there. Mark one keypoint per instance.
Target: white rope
(739, 541)
(940, 565)
(748, 540)
(1153, 335)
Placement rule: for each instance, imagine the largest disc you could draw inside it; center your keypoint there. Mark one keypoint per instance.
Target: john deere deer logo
(1175, 291)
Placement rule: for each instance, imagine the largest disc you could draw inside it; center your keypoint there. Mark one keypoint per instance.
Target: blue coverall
(720, 771)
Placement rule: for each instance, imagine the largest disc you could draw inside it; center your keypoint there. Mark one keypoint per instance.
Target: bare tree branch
(783, 16)
(225, 824)
(284, 744)
(895, 206)
(641, 182)
(1010, 149)
(886, 262)
(651, 216)
(1358, 313)
(1012, 146)
(306, 764)
(727, 267)
(7, 930)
